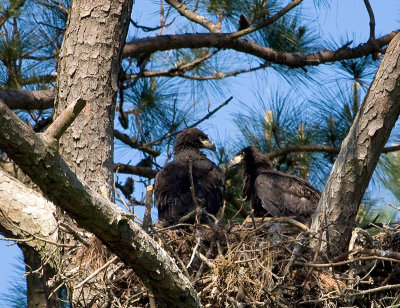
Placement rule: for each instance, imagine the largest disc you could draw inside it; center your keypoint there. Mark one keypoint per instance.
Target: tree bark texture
(24, 213)
(40, 160)
(88, 68)
(359, 155)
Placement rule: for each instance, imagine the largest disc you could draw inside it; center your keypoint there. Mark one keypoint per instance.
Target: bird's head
(250, 158)
(193, 138)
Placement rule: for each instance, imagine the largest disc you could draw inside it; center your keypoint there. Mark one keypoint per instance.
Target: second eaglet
(172, 191)
(274, 192)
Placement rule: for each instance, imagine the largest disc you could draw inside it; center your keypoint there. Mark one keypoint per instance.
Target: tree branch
(134, 143)
(184, 11)
(359, 154)
(208, 115)
(20, 99)
(95, 213)
(318, 148)
(141, 171)
(222, 40)
(371, 20)
(267, 22)
(65, 119)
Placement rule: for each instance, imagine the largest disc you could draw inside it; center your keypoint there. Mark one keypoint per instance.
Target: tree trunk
(359, 155)
(88, 68)
(38, 291)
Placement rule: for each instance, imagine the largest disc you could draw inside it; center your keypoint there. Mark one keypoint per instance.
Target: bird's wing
(172, 191)
(209, 184)
(286, 195)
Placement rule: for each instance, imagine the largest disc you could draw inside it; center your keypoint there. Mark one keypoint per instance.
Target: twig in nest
(147, 213)
(196, 205)
(194, 252)
(75, 234)
(205, 260)
(95, 272)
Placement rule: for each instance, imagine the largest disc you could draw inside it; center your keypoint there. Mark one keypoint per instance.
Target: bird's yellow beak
(237, 160)
(207, 144)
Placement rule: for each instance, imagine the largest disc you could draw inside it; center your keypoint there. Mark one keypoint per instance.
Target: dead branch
(65, 119)
(208, 115)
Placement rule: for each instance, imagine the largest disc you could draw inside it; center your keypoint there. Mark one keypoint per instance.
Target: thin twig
(147, 213)
(194, 252)
(371, 21)
(192, 125)
(96, 272)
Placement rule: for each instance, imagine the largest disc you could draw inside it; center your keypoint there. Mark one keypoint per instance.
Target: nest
(257, 264)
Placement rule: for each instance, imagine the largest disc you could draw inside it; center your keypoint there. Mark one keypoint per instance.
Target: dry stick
(356, 294)
(267, 22)
(96, 272)
(147, 214)
(65, 119)
(194, 252)
(196, 205)
(192, 125)
(371, 21)
(75, 234)
(318, 244)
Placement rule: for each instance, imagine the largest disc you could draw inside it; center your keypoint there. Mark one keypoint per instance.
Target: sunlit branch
(65, 119)
(184, 11)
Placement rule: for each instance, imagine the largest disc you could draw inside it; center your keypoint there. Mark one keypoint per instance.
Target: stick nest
(258, 264)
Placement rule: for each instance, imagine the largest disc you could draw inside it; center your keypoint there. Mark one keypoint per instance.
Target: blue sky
(344, 16)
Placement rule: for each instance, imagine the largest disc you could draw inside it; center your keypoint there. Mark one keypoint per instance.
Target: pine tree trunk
(359, 155)
(88, 68)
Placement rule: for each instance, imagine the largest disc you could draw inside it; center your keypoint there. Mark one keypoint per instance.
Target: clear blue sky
(344, 16)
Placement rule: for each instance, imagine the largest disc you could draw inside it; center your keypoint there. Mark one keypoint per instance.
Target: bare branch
(134, 143)
(318, 148)
(192, 125)
(267, 22)
(371, 20)
(184, 11)
(65, 119)
(20, 99)
(141, 171)
(176, 72)
(222, 40)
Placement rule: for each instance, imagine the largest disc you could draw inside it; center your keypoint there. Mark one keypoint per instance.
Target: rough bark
(24, 213)
(40, 160)
(88, 69)
(359, 155)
